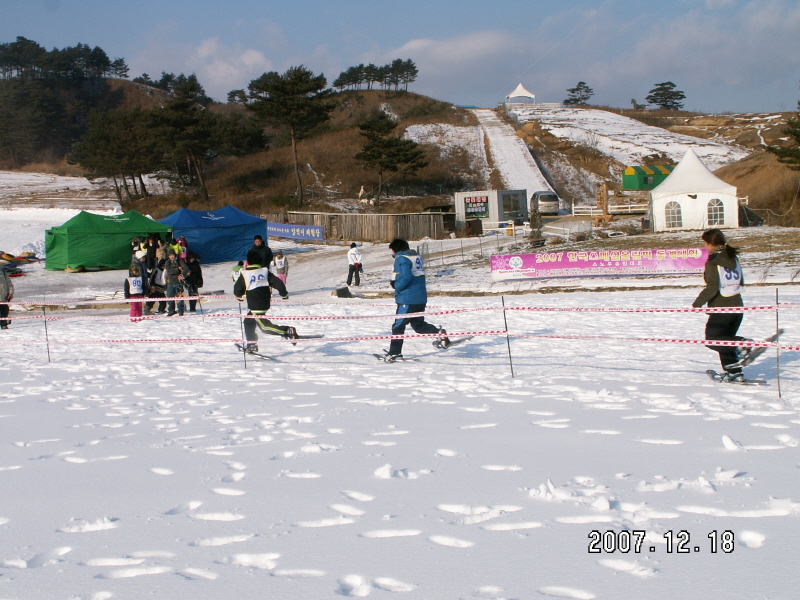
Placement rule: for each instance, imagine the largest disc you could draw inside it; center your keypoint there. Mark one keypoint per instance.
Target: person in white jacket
(354, 262)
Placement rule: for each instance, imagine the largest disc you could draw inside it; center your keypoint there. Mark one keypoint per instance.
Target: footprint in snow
(360, 496)
(135, 572)
(628, 566)
(452, 542)
(557, 591)
(222, 541)
(392, 585)
(298, 573)
(751, 539)
(353, 586)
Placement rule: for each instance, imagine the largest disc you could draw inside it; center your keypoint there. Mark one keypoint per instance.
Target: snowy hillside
(510, 155)
(147, 459)
(627, 140)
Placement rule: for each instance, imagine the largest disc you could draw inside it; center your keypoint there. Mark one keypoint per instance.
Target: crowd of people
(161, 271)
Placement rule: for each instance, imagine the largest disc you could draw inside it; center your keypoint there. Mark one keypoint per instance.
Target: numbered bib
(417, 267)
(135, 285)
(731, 281)
(256, 278)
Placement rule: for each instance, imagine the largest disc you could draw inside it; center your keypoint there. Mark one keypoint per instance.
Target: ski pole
(241, 326)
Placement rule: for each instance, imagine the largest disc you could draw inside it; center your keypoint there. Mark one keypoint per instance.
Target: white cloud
(220, 68)
(717, 4)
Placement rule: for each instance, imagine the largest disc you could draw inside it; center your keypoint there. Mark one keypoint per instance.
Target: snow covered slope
(510, 155)
(627, 140)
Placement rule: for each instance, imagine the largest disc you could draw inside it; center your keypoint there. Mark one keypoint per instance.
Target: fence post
(46, 336)
(508, 341)
(778, 347)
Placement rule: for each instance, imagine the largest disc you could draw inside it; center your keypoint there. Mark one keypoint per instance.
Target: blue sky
(725, 55)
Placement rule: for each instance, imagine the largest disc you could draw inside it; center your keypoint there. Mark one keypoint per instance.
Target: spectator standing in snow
(175, 272)
(264, 253)
(253, 284)
(280, 266)
(724, 286)
(6, 295)
(411, 296)
(134, 290)
(194, 279)
(354, 264)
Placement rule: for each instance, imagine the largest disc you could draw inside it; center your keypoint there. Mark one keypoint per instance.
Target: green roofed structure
(90, 241)
(645, 178)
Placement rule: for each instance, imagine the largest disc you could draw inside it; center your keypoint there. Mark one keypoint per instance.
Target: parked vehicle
(546, 202)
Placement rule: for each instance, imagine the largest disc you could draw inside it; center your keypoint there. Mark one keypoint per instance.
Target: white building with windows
(692, 197)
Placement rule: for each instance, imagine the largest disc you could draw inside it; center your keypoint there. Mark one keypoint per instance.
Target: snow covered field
(170, 469)
(627, 140)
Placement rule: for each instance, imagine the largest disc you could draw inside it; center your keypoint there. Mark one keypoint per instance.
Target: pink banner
(594, 263)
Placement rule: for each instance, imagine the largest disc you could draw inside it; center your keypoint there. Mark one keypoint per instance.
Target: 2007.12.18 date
(633, 540)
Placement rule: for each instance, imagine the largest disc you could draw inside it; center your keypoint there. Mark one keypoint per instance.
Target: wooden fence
(368, 228)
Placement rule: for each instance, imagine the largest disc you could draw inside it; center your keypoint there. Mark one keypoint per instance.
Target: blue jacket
(409, 278)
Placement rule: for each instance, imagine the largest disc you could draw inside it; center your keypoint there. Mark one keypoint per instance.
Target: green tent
(97, 241)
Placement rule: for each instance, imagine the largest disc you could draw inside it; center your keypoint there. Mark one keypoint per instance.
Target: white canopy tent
(692, 197)
(520, 92)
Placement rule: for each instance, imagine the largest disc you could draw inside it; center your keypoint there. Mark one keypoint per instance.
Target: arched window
(673, 214)
(716, 212)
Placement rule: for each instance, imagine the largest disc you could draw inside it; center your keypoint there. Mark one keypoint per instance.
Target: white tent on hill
(520, 92)
(692, 197)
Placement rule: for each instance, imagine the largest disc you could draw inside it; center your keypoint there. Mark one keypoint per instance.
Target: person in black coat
(264, 254)
(194, 278)
(253, 284)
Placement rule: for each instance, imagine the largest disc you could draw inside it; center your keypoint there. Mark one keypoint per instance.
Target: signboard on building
(594, 263)
(476, 207)
(295, 232)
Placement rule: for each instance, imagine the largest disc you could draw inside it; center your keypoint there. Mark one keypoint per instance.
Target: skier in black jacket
(253, 283)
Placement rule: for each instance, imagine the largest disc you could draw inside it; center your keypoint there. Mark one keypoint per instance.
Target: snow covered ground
(627, 140)
(147, 459)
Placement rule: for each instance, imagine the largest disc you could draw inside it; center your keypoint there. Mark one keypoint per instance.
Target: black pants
(261, 322)
(191, 290)
(723, 327)
(354, 270)
(417, 323)
(4, 323)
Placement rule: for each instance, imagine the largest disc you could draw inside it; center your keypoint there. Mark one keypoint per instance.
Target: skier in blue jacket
(411, 295)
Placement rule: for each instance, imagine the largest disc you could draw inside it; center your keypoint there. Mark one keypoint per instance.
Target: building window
(512, 206)
(673, 213)
(649, 180)
(716, 212)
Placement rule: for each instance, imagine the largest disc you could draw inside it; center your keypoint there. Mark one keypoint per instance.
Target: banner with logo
(295, 232)
(594, 263)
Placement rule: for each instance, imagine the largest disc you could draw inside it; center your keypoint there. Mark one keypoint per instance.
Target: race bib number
(256, 279)
(731, 280)
(135, 285)
(417, 266)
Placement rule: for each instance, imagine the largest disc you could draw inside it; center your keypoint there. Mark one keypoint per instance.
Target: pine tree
(579, 95)
(297, 100)
(666, 96)
(385, 152)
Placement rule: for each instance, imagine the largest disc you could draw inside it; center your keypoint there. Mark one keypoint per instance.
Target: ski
(455, 342)
(258, 354)
(381, 357)
(717, 377)
(756, 352)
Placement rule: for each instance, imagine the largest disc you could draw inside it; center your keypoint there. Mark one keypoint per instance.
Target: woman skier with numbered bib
(724, 286)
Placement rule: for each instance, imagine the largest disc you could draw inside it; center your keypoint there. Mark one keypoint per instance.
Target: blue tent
(217, 235)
